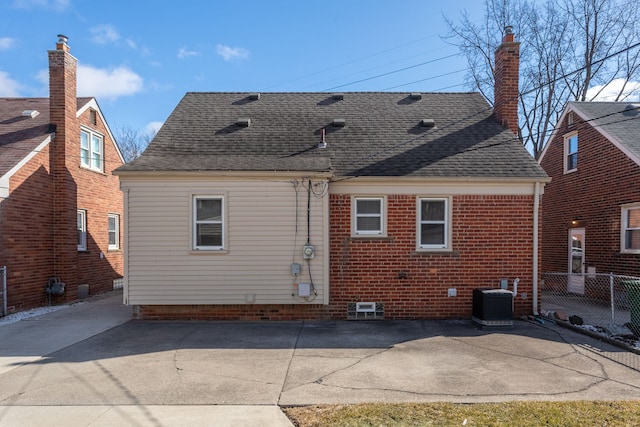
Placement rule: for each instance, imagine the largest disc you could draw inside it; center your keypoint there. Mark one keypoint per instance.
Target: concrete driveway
(155, 364)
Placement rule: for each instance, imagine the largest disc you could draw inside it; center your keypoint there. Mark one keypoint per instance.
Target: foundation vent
(365, 310)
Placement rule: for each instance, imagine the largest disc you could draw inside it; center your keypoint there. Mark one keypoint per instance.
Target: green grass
(565, 414)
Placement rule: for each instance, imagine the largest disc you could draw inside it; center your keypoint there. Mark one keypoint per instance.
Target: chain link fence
(3, 290)
(605, 300)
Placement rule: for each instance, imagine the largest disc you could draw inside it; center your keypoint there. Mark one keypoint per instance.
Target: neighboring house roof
(383, 135)
(21, 135)
(618, 121)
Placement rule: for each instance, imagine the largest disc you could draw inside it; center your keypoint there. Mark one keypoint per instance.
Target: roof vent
(339, 123)
(323, 142)
(244, 122)
(30, 113)
(254, 96)
(415, 96)
(338, 96)
(427, 123)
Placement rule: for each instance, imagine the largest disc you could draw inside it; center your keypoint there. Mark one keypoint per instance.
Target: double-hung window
(113, 230)
(631, 229)
(81, 225)
(208, 223)
(368, 217)
(91, 150)
(433, 223)
(571, 153)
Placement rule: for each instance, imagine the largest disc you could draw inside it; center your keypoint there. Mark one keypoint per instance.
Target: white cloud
(153, 128)
(57, 5)
(229, 53)
(6, 43)
(103, 34)
(610, 92)
(8, 86)
(184, 53)
(111, 84)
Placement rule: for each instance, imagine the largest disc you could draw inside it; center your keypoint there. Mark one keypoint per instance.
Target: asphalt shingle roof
(382, 136)
(621, 120)
(20, 135)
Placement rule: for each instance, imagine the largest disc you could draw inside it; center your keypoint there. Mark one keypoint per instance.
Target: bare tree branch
(562, 46)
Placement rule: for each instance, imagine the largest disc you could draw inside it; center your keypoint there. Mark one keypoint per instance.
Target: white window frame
(446, 222)
(88, 154)
(115, 231)
(567, 153)
(355, 215)
(81, 226)
(195, 222)
(624, 227)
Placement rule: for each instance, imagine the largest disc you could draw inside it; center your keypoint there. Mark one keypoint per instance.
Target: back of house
(332, 205)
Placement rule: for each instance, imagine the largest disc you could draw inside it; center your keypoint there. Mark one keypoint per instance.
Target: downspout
(125, 235)
(536, 243)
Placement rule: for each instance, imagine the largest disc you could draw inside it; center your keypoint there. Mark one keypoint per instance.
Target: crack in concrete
(594, 379)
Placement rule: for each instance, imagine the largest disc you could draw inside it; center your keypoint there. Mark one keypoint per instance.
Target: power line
(372, 68)
(424, 80)
(344, 64)
(392, 72)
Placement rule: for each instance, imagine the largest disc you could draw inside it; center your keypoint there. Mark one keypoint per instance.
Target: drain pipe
(536, 210)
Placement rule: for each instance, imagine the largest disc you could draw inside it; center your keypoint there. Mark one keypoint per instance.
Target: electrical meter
(308, 251)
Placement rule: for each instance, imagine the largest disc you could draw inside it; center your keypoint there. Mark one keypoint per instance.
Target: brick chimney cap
(508, 29)
(62, 39)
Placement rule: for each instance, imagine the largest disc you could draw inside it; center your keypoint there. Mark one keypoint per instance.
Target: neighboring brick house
(593, 200)
(60, 205)
(343, 205)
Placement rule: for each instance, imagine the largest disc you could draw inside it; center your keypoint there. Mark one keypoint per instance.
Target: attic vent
(427, 123)
(339, 123)
(633, 107)
(338, 96)
(244, 122)
(30, 113)
(254, 96)
(415, 96)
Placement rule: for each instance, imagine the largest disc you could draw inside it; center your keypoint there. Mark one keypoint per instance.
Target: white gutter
(536, 243)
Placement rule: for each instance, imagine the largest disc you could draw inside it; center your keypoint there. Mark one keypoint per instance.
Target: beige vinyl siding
(260, 242)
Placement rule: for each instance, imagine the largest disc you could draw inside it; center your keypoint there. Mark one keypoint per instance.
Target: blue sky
(139, 57)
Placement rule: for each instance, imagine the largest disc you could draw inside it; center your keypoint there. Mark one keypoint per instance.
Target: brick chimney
(505, 93)
(62, 86)
(64, 154)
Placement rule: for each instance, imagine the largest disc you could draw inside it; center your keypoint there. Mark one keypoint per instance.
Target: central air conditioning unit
(493, 307)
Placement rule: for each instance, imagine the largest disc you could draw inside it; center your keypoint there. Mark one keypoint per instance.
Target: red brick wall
(99, 194)
(26, 237)
(492, 239)
(38, 233)
(605, 179)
